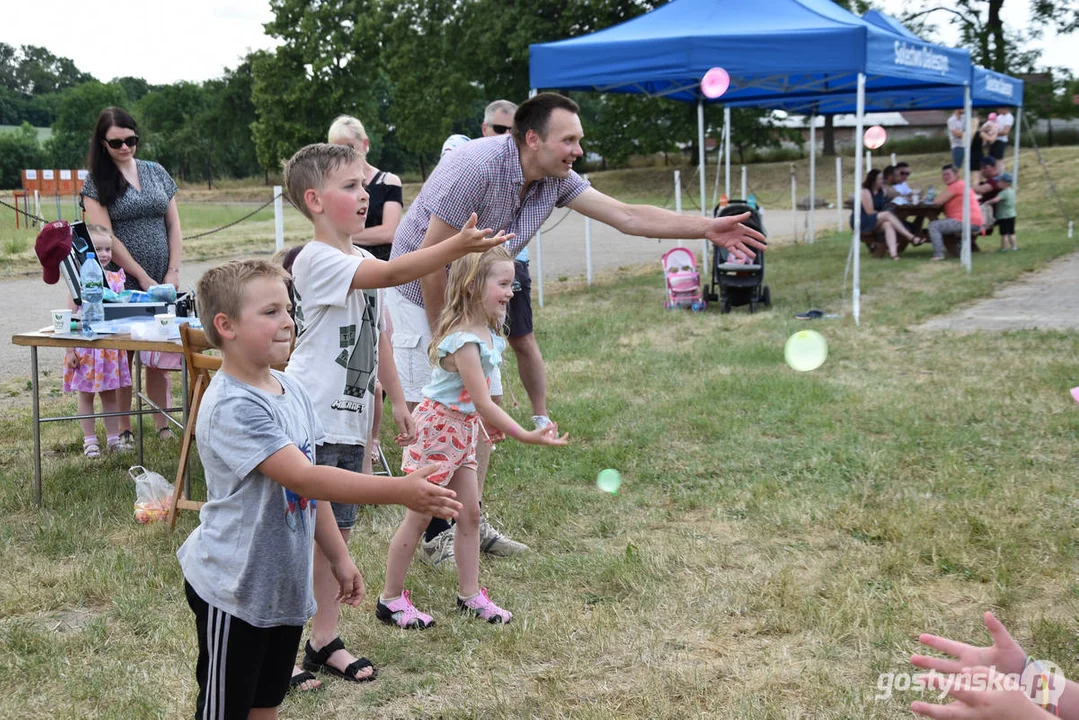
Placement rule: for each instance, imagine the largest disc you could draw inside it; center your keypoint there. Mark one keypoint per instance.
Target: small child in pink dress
(90, 371)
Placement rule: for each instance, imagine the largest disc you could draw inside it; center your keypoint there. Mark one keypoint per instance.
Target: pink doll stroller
(683, 280)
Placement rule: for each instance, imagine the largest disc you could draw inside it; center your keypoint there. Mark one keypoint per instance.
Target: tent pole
(727, 150)
(745, 191)
(856, 240)
(700, 160)
(539, 239)
(812, 174)
(1018, 124)
(678, 195)
(838, 193)
(964, 254)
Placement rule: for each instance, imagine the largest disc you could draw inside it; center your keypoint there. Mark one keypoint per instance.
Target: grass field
(202, 210)
(779, 541)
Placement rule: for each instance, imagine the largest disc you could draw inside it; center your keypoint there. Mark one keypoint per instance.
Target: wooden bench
(953, 243)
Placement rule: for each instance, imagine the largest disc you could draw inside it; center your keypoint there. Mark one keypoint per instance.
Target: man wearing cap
(513, 182)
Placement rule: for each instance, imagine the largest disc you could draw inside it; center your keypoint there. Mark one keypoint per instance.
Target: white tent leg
(856, 240)
(812, 175)
(838, 193)
(678, 195)
(1018, 124)
(539, 264)
(745, 191)
(727, 149)
(964, 254)
(700, 160)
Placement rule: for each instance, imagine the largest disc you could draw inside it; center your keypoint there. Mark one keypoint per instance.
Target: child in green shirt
(1004, 206)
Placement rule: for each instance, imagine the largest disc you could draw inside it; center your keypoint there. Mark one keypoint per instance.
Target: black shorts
(1006, 226)
(240, 666)
(519, 312)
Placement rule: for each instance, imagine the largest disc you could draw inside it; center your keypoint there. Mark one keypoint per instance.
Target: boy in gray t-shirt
(247, 566)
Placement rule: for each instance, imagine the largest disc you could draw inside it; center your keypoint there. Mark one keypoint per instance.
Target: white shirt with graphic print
(336, 353)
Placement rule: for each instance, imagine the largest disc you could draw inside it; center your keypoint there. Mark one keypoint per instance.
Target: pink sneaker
(484, 608)
(402, 613)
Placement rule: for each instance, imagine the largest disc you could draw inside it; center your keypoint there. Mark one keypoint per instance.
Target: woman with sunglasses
(135, 199)
(383, 189)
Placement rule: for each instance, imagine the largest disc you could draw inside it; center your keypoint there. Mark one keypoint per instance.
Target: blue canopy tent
(987, 89)
(772, 49)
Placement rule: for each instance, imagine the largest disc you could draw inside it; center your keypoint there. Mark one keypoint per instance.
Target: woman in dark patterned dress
(136, 200)
(384, 189)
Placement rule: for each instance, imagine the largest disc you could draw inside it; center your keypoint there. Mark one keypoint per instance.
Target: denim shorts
(346, 457)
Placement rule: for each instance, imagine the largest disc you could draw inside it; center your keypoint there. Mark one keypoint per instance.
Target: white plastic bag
(153, 495)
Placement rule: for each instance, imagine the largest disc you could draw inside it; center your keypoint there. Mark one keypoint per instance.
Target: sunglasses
(117, 143)
(501, 129)
(904, 173)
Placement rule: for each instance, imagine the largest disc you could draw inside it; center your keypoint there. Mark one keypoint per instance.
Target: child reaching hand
(90, 372)
(466, 347)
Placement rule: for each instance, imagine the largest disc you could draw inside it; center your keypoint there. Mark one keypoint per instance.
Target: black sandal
(317, 662)
(299, 679)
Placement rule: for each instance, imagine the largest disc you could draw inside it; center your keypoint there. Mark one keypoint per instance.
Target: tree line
(414, 71)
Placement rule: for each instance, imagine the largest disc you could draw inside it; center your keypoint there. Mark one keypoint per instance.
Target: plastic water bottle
(93, 289)
(929, 194)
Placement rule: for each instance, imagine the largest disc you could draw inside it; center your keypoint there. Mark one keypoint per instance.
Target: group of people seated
(992, 204)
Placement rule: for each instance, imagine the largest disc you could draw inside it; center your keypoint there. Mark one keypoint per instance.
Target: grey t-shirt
(251, 554)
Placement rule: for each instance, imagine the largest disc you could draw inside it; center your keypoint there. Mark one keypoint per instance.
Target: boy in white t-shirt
(339, 349)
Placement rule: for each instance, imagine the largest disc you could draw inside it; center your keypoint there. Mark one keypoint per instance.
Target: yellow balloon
(806, 350)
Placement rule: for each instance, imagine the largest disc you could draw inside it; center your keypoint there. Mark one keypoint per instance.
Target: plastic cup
(166, 324)
(61, 321)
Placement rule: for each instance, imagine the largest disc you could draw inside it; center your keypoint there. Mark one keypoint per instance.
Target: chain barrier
(35, 218)
(28, 215)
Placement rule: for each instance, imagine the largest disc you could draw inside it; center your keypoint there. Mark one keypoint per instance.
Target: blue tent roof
(988, 88)
(772, 49)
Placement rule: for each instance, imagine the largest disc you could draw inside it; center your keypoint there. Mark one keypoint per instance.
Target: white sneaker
(438, 551)
(541, 421)
(495, 543)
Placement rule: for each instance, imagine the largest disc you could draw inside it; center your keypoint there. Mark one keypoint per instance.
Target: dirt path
(1045, 300)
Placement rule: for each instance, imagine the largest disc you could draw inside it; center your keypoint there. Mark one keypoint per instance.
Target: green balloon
(609, 480)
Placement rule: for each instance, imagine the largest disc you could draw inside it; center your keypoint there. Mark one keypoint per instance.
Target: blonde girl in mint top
(466, 347)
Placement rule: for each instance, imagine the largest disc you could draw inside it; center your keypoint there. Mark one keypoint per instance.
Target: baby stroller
(683, 281)
(735, 283)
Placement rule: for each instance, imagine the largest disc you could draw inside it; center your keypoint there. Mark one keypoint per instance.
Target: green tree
(166, 115)
(982, 29)
(327, 65)
(77, 109)
(19, 150)
(39, 72)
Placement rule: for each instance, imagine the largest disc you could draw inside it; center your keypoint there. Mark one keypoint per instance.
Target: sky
(162, 42)
(195, 40)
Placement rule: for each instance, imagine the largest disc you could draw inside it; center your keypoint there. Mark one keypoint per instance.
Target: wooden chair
(199, 366)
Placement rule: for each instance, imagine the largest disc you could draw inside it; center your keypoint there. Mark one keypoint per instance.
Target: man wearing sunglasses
(498, 118)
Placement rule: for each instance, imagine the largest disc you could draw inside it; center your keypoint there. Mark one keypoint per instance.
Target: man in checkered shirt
(513, 182)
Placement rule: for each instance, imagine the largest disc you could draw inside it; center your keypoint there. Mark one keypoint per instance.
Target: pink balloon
(715, 82)
(875, 137)
(1075, 394)
(992, 116)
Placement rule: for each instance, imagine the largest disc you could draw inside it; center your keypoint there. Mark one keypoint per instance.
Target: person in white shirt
(1005, 120)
